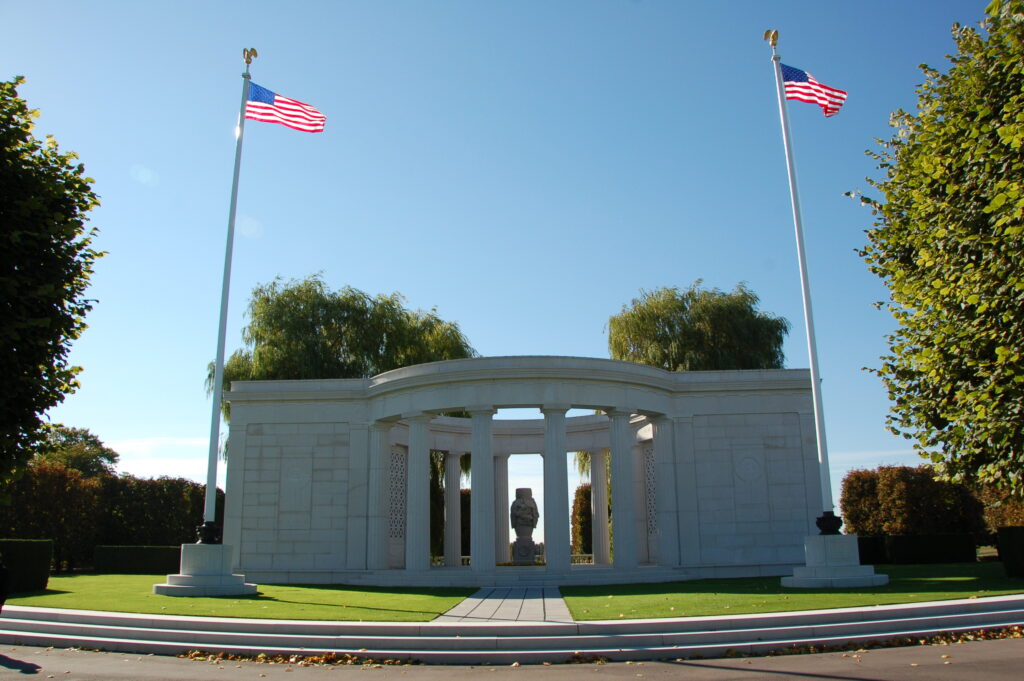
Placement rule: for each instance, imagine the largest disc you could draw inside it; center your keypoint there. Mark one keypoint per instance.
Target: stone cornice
(520, 369)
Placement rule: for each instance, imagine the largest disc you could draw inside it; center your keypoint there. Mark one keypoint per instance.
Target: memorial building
(713, 473)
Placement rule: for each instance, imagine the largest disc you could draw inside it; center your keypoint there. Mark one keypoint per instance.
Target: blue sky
(524, 167)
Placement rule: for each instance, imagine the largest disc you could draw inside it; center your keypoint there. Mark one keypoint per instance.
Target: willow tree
(697, 329)
(948, 241)
(304, 330)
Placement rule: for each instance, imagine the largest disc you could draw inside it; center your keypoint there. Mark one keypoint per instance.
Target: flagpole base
(205, 571)
(833, 562)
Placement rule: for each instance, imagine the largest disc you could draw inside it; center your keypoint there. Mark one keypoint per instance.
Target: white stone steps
(500, 642)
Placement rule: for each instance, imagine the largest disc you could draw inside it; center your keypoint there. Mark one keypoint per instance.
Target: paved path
(977, 661)
(515, 604)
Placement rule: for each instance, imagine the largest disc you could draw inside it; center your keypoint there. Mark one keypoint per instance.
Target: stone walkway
(511, 604)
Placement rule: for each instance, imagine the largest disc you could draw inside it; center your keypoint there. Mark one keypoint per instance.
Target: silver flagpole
(209, 531)
(805, 288)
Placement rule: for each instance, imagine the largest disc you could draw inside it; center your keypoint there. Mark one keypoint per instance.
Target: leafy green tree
(697, 329)
(304, 330)
(948, 241)
(46, 257)
(76, 448)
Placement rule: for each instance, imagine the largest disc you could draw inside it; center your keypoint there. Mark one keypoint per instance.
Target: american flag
(801, 86)
(269, 107)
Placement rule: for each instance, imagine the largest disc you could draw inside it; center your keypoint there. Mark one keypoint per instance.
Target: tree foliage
(697, 329)
(582, 520)
(76, 448)
(304, 330)
(52, 501)
(900, 500)
(948, 240)
(46, 257)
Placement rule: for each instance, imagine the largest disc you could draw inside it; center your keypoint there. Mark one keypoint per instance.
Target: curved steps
(504, 642)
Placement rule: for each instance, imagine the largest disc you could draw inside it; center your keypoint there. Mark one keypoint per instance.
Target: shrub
(900, 500)
(28, 563)
(582, 521)
(1011, 550)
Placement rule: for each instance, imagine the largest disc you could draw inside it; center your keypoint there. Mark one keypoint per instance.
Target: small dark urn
(209, 533)
(829, 523)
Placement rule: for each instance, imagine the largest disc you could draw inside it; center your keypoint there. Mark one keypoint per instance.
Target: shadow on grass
(262, 597)
(915, 579)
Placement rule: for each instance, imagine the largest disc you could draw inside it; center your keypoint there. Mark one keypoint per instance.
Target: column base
(833, 562)
(205, 571)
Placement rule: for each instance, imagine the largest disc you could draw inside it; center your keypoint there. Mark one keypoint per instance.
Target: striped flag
(802, 87)
(269, 107)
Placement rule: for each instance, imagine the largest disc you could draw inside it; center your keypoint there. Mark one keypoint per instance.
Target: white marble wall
(733, 484)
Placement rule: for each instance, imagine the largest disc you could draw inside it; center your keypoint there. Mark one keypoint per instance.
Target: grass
(907, 584)
(134, 593)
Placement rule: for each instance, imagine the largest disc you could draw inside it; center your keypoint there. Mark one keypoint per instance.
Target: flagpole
(209, 531)
(828, 520)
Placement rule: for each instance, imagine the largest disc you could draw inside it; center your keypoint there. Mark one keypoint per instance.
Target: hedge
(137, 560)
(1011, 550)
(582, 521)
(50, 501)
(28, 563)
(917, 549)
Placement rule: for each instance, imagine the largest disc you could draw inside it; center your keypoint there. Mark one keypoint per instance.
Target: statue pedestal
(524, 551)
(205, 571)
(833, 562)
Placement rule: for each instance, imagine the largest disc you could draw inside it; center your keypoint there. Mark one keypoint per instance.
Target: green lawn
(134, 593)
(907, 584)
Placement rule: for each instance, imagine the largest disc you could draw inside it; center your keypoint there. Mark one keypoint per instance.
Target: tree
(948, 241)
(46, 257)
(76, 448)
(697, 329)
(303, 330)
(900, 500)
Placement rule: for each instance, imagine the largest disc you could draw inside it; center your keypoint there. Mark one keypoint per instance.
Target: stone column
(502, 524)
(452, 509)
(665, 494)
(623, 491)
(376, 504)
(599, 506)
(482, 483)
(556, 489)
(417, 505)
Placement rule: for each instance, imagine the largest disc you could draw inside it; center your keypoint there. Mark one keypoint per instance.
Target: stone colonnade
(712, 473)
(616, 436)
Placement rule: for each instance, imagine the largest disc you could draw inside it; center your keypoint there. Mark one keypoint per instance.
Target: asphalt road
(977, 661)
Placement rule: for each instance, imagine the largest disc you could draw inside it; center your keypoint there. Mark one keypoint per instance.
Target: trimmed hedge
(918, 548)
(137, 560)
(582, 521)
(28, 563)
(1011, 550)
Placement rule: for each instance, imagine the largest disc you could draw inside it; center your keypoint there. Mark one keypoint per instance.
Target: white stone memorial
(713, 474)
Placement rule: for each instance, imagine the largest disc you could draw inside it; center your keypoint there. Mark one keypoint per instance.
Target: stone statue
(524, 516)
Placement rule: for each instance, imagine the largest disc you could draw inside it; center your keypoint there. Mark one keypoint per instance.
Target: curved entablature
(521, 381)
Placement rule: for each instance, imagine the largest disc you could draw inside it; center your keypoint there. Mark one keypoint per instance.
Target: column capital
(614, 413)
(475, 409)
(555, 408)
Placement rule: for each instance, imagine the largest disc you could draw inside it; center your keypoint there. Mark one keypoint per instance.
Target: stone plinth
(205, 571)
(833, 562)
